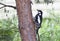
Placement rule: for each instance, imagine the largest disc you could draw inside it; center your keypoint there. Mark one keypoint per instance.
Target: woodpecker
(38, 20)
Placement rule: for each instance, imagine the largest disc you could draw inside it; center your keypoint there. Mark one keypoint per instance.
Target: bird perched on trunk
(38, 21)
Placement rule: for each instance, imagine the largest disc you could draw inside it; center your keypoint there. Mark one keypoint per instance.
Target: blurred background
(50, 30)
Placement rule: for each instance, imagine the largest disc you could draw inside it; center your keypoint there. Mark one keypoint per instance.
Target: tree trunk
(26, 25)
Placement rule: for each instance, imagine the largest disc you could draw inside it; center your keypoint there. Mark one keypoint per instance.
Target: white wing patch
(38, 19)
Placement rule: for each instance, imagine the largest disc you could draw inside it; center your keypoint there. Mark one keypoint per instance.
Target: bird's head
(39, 12)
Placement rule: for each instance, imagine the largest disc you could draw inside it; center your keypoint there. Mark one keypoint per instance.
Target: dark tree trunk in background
(37, 1)
(26, 25)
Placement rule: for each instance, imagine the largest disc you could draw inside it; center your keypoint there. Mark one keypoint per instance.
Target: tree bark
(26, 25)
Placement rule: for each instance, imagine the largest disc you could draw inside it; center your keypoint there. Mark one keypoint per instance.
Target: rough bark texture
(26, 25)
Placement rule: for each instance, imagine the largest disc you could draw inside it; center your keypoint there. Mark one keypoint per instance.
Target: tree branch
(4, 5)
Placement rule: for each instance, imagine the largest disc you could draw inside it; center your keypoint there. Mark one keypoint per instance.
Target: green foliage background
(9, 29)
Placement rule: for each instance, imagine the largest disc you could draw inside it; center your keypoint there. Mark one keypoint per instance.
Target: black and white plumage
(38, 20)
